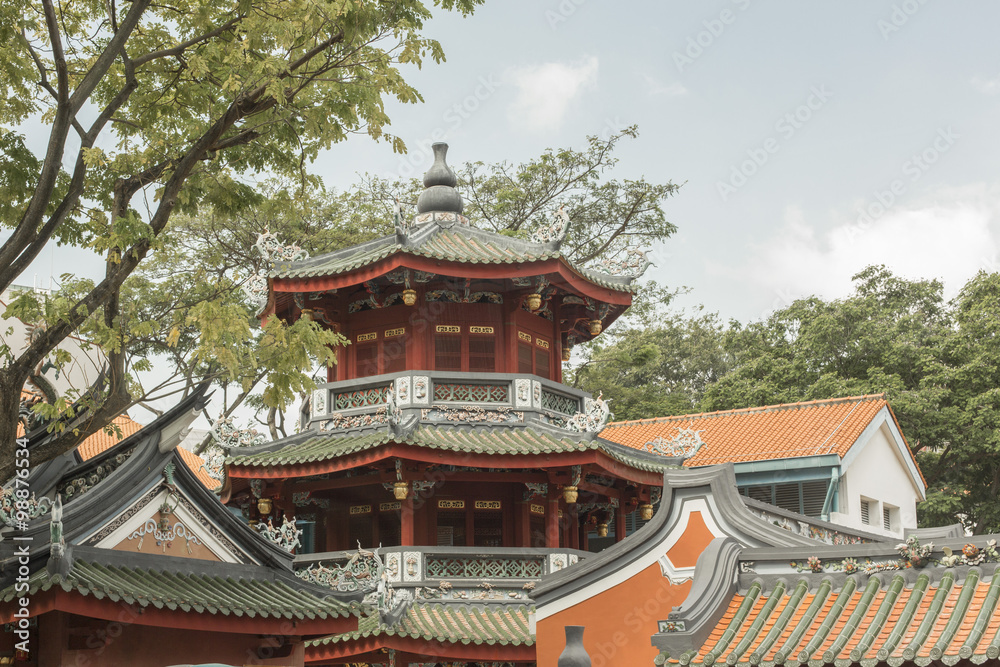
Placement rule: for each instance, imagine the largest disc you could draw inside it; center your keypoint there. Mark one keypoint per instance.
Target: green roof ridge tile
(957, 615)
(983, 619)
(779, 625)
(749, 600)
(905, 617)
(947, 579)
(854, 620)
(846, 593)
(758, 623)
(875, 627)
(807, 619)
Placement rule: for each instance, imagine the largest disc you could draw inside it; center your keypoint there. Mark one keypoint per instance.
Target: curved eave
(635, 471)
(615, 292)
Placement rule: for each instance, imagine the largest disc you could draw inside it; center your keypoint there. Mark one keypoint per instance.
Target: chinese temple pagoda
(444, 435)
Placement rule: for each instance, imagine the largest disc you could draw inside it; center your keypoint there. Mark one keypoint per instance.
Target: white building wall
(879, 475)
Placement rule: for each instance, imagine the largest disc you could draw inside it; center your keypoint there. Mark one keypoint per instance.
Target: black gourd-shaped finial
(440, 181)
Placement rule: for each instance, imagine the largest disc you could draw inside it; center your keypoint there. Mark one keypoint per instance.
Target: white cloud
(986, 86)
(544, 92)
(950, 236)
(656, 87)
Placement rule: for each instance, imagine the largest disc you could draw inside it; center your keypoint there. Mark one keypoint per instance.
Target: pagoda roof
(232, 580)
(184, 585)
(316, 447)
(444, 237)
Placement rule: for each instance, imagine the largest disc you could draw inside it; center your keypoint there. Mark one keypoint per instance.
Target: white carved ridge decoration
(286, 537)
(685, 444)
(554, 231)
(272, 251)
(593, 419)
(225, 435)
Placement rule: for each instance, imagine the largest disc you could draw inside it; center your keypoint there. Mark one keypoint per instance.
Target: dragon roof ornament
(273, 253)
(594, 417)
(630, 261)
(555, 231)
(685, 444)
(285, 536)
(225, 436)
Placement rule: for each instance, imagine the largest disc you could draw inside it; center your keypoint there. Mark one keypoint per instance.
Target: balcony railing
(429, 566)
(435, 393)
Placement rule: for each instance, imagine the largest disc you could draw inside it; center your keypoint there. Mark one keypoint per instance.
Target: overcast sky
(814, 138)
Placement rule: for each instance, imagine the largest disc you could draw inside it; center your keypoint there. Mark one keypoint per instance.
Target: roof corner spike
(440, 195)
(60, 556)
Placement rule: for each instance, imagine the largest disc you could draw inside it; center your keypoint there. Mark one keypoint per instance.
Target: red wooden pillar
(524, 525)
(552, 522)
(406, 531)
(620, 522)
(470, 522)
(574, 529)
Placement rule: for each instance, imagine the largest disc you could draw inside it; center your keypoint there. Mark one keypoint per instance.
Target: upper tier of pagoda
(491, 303)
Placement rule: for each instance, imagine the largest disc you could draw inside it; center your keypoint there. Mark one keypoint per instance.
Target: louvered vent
(786, 496)
(865, 517)
(813, 497)
(763, 493)
(886, 519)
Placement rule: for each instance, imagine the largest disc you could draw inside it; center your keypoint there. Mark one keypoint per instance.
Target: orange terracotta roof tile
(788, 430)
(101, 441)
(952, 626)
(196, 463)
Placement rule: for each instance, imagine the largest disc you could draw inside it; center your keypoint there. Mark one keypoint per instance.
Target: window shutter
(813, 497)
(886, 519)
(786, 496)
(865, 517)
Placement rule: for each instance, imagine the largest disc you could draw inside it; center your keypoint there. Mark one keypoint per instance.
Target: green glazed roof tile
(456, 244)
(187, 591)
(497, 440)
(503, 624)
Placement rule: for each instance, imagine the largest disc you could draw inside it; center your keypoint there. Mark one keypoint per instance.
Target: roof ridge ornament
(593, 418)
(440, 194)
(686, 444)
(631, 262)
(272, 251)
(554, 232)
(226, 436)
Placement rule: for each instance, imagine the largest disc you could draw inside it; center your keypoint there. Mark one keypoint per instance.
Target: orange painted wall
(621, 620)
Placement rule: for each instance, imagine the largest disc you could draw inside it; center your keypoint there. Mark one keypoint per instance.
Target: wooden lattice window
(366, 358)
(482, 353)
(394, 352)
(542, 367)
(448, 351)
(524, 360)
